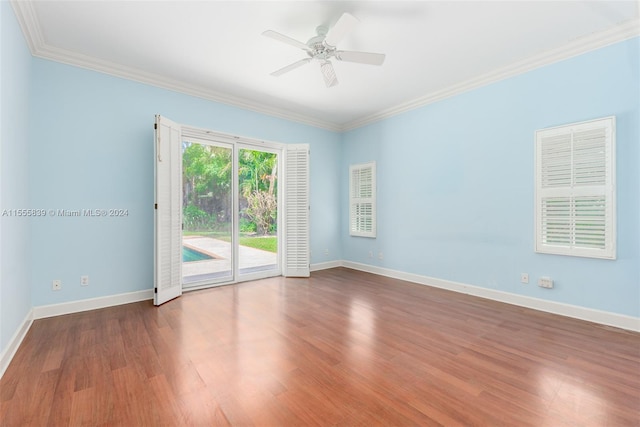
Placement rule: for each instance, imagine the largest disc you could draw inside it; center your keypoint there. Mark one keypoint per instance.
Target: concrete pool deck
(249, 258)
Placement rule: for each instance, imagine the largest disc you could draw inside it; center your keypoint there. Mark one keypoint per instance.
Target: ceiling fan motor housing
(318, 49)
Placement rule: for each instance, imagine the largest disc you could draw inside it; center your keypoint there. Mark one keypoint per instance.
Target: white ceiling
(215, 49)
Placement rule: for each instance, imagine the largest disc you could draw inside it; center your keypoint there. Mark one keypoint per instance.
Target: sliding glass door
(258, 212)
(229, 226)
(207, 213)
(227, 209)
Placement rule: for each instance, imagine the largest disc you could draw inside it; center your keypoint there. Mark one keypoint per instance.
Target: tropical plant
(206, 172)
(257, 171)
(206, 181)
(246, 225)
(262, 210)
(195, 218)
(258, 177)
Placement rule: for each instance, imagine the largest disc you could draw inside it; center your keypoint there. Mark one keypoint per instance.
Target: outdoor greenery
(261, 210)
(206, 172)
(266, 243)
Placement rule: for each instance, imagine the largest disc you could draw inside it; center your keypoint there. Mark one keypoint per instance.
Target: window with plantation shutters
(362, 200)
(575, 189)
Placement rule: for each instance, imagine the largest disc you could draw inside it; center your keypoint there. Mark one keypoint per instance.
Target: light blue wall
(455, 182)
(455, 179)
(92, 147)
(15, 66)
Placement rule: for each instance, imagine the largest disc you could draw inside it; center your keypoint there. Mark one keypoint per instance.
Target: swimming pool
(189, 255)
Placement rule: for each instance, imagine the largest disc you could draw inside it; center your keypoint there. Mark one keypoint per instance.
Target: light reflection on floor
(362, 330)
(571, 398)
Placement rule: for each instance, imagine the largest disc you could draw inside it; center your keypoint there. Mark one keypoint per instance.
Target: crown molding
(26, 15)
(576, 47)
(28, 21)
(129, 73)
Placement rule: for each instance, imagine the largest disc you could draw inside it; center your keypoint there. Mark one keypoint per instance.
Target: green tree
(257, 176)
(262, 210)
(206, 174)
(206, 180)
(257, 171)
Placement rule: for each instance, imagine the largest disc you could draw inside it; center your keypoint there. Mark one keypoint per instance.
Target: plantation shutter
(168, 211)
(296, 211)
(575, 190)
(362, 200)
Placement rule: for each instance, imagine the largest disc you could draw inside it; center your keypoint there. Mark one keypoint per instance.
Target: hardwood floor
(342, 348)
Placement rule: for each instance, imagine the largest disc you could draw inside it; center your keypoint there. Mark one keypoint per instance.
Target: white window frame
(362, 200)
(575, 171)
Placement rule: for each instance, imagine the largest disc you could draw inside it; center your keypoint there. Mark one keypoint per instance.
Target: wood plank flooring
(343, 348)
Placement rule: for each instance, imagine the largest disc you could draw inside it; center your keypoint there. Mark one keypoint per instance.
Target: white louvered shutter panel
(168, 212)
(575, 189)
(296, 211)
(362, 200)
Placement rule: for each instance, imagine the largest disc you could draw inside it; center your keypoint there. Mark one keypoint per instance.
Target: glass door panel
(258, 213)
(207, 213)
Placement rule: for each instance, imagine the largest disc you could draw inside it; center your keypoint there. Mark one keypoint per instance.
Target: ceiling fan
(322, 48)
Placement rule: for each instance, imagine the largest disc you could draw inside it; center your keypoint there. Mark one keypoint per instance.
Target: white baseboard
(7, 355)
(597, 316)
(42, 311)
(588, 314)
(325, 265)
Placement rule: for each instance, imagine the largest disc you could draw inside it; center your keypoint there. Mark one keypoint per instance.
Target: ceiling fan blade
(329, 74)
(360, 57)
(290, 67)
(285, 39)
(345, 24)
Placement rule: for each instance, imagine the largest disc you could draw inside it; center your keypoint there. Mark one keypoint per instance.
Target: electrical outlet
(380, 255)
(56, 285)
(545, 282)
(84, 280)
(326, 251)
(524, 277)
(370, 254)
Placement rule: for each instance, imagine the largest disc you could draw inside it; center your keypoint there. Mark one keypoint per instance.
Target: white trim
(14, 343)
(27, 18)
(325, 265)
(130, 73)
(568, 310)
(597, 316)
(197, 134)
(43, 311)
(576, 47)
